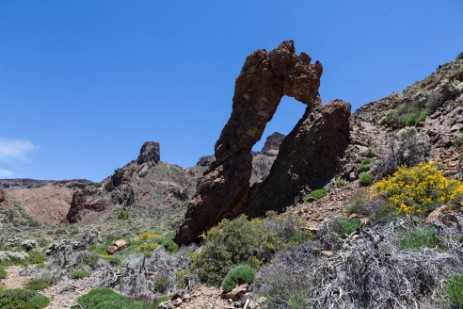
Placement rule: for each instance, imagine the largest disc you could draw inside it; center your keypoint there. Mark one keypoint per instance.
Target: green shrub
(80, 274)
(367, 161)
(459, 141)
(241, 241)
(453, 288)
(36, 257)
(419, 237)
(459, 57)
(22, 299)
(89, 258)
(123, 215)
(318, 193)
(38, 284)
(3, 273)
(363, 167)
(168, 244)
(344, 227)
(105, 298)
(237, 275)
(365, 179)
(414, 119)
(341, 182)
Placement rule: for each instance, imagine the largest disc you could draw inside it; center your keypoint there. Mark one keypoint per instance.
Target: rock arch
(264, 79)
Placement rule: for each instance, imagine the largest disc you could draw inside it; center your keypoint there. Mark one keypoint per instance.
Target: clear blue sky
(84, 83)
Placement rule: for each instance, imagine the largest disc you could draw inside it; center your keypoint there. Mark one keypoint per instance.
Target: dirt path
(16, 277)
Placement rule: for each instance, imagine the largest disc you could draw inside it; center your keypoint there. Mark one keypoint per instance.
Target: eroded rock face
(265, 78)
(308, 158)
(80, 203)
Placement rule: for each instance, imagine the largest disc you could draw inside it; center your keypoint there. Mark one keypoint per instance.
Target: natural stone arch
(264, 79)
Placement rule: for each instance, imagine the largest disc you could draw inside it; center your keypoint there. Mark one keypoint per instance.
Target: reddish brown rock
(80, 203)
(265, 78)
(149, 153)
(272, 144)
(308, 158)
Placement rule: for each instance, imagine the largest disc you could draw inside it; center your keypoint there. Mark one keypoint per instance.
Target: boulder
(117, 245)
(441, 214)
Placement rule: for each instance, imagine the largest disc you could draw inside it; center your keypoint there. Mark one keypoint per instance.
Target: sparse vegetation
(104, 298)
(3, 273)
(80, 274)
(365, 179)
(38, 284)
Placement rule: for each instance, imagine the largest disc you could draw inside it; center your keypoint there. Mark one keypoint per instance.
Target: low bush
(243, 241)
(414, 119)
(123, 215)
(80, 274)
(38, 284)
(3, 273)
(365, 179)
(237, 275)
(459, 141)
(318, 193)
(418, 189)
(417, 238)
(341, 182)
(453, 288)
(287, 281)
(344, 227)
(377, 209)
(23, 299)
(104, 298)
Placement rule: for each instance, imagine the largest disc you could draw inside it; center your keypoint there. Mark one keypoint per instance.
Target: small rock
(327, 253)
(177, 302)
(441, 214)
(166, 305)
(237, 292)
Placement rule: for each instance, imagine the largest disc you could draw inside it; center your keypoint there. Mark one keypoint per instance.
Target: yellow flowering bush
(417, 189)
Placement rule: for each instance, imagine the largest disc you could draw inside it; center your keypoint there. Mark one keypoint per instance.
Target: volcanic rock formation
(265, 78)
(149, 153)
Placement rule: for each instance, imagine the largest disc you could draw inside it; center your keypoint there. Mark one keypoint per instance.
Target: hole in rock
(288, 113)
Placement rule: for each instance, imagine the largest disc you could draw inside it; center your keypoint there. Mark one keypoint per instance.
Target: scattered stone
(117, 245)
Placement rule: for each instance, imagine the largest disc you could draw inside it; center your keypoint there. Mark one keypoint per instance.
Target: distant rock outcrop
(272, 144)
(149, 153)
(265, 78)
(2, 196)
